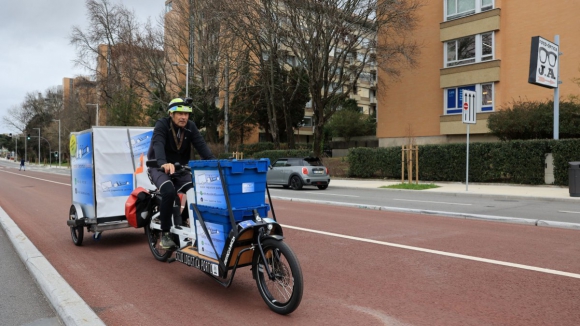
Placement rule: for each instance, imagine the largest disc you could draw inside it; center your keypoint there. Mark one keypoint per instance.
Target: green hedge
(519, 162)
(564, 151)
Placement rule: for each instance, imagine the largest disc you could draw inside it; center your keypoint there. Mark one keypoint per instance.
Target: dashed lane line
(433, 202)
(569, 212)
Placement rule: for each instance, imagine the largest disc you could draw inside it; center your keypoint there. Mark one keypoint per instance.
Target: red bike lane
(346, 281)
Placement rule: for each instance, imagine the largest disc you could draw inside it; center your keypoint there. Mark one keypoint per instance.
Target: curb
(69, 306)
(495, 196)
(513, 220)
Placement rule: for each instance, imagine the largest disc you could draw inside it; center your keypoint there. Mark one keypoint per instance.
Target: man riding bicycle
(170, 144)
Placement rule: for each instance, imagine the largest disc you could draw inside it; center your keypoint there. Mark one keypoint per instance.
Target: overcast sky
(35, 53)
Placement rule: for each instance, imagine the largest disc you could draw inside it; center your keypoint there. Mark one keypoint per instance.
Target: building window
(484, 96)
(460, 8)
(469, 49)
(168, 7)
(307, 122)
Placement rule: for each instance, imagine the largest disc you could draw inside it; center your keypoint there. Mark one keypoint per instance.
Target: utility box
(549, 169)
(574, 179)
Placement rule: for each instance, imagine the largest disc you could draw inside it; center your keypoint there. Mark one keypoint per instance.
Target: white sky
(35, 53)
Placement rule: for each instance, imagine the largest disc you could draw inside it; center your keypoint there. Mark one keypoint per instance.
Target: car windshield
(313, 161)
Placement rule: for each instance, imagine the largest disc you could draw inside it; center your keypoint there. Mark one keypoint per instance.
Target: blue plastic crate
(245, 181)
(218, 215)
(217, 222)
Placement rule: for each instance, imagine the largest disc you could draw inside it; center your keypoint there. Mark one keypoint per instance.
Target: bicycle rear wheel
(283, 293)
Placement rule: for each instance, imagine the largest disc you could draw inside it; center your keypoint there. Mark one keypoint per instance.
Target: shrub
(535, 120)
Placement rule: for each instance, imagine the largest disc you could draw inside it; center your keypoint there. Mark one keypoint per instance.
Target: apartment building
(478, 45)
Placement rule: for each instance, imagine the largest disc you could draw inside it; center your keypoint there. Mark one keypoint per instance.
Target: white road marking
(433, 202)
(569, 212)
(441, 253)
(325, 194)
(27, 176)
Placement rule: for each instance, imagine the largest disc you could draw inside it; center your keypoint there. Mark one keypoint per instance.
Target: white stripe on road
(569, 212)
(27, 176)
(441, 253)
(316, 193)
(433, 202)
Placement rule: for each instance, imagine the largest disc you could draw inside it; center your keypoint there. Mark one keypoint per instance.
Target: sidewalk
(543, 192)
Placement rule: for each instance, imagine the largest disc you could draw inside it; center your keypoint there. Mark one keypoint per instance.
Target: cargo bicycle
(218, 241)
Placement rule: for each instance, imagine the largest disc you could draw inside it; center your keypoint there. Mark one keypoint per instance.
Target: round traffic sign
(466, 106)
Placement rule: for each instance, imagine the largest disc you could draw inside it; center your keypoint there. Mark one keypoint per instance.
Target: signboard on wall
(544, 60)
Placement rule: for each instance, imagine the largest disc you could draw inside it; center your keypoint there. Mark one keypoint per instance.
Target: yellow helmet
(180, 105)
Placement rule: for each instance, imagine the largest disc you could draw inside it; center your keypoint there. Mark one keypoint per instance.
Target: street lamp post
(58, 140)
(186, 76)
(16, 152)
(59, 160)
(97, 105)
(38, 145)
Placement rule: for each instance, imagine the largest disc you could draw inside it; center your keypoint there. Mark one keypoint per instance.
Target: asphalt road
(360, 267)
(550, 210)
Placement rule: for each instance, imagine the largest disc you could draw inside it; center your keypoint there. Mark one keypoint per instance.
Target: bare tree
(126, 60)
(255, 27)
(335, 40)
(197, 36)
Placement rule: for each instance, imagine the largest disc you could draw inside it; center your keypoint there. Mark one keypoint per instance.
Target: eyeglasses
(549, 56)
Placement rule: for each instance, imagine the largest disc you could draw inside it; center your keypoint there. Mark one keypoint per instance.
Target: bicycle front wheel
(154, 239)
(283, 292)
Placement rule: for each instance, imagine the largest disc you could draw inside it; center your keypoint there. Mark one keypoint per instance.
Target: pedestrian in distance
(22, 165)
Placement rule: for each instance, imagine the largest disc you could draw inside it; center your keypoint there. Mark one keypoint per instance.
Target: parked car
(296, 172)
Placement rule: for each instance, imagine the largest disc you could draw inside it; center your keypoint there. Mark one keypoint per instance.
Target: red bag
(138, 202)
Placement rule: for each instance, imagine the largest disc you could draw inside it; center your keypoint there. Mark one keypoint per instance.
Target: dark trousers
(169, 189)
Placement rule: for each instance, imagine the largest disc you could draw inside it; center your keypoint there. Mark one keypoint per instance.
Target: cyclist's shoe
(166, 241)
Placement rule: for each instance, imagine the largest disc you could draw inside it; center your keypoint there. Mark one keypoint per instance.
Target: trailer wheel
(77, 232)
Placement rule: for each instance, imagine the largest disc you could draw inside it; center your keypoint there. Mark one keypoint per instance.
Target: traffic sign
(469, 107)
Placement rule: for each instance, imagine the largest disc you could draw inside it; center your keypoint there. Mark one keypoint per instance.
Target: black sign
(543, 63)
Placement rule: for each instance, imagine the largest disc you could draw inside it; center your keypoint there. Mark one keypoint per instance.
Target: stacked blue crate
(246, 187)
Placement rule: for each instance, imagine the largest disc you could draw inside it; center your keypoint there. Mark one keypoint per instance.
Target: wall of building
(413, 105)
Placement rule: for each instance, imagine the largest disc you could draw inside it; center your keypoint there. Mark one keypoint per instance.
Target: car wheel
(296, 183)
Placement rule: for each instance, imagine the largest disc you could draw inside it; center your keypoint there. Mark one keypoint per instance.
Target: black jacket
(164, 149)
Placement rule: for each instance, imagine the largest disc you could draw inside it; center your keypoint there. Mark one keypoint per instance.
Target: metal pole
(557, 95)
(58, 140)
(16, 154)
(187, 80)
(59, 163)
(25, 146)
(467, 162)
(38, 146)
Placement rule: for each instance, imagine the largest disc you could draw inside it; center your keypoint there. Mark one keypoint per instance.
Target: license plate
(317, 172)
(198, 263)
